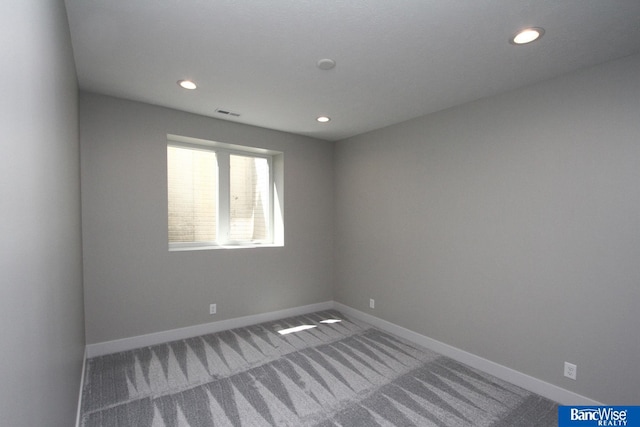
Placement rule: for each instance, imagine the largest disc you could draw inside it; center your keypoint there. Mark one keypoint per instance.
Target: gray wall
(41, 315)
(133, 284)
(508, 227)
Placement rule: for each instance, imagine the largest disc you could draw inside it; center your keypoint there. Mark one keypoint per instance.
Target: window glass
(248, 198)
(192, 177)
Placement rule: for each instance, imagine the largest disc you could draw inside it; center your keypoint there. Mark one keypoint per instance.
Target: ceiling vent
(227, 113)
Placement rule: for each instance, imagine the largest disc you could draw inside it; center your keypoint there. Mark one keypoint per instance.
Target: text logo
(608, 416)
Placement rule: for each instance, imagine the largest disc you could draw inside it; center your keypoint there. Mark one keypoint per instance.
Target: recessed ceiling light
(187, 84)
(323, 119)
(527, 35)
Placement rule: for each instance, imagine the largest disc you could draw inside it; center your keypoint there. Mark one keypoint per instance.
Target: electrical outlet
(212, 309)
(570, 370)
(372, 303)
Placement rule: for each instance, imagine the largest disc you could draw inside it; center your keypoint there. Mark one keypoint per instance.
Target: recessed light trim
(526, 36)
(187, 84)
(323, 119)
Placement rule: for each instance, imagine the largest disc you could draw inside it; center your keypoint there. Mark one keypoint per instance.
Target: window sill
(209, 247)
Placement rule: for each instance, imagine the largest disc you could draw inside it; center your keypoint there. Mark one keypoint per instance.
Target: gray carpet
(342, 374)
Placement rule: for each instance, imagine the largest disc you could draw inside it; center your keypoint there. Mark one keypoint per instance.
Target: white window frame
(223, 153)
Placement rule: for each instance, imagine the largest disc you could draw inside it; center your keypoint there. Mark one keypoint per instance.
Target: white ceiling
(396, 59)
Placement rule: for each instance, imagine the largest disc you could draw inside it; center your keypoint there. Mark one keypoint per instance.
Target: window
(222, 195)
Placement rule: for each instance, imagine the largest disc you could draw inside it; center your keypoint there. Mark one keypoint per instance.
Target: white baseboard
(84, 365)
(124, 344)
(550, 391)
